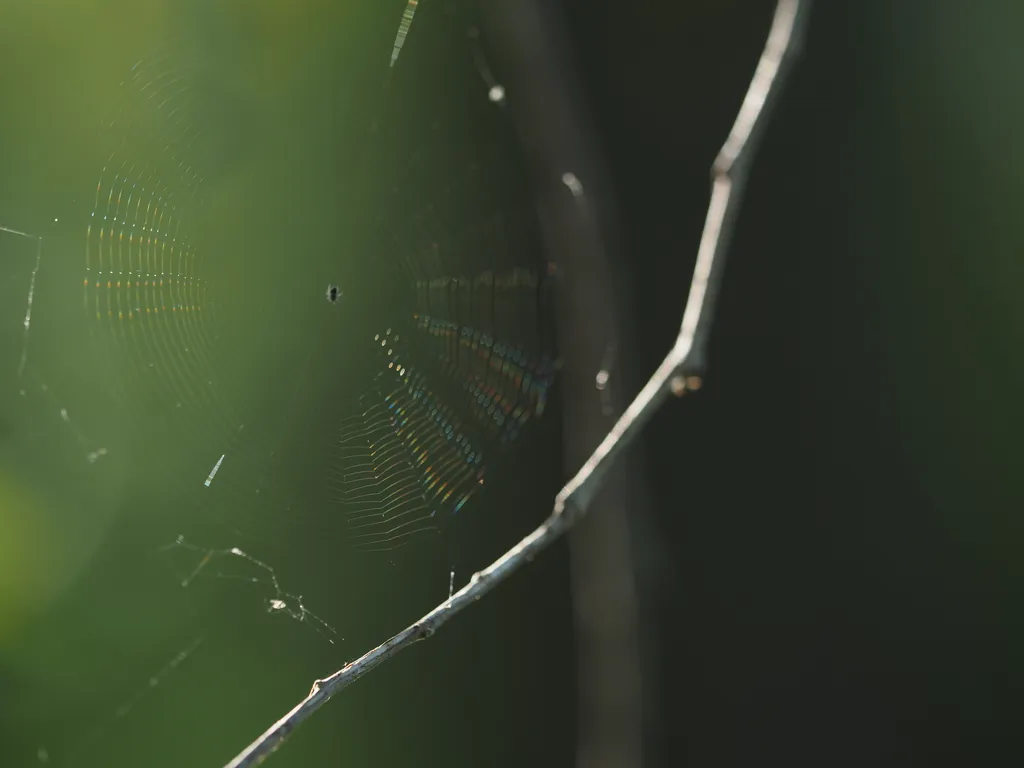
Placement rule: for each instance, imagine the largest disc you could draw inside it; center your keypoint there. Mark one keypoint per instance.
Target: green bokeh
(942, 181)
(91, 607)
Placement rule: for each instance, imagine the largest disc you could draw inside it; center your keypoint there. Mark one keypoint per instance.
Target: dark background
(824, 541)
(832, 518)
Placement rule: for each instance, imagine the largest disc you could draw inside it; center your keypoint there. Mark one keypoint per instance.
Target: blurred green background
(114, 423)
(830, 570)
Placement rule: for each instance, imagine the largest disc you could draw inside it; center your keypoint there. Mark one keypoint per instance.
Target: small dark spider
(333, 294)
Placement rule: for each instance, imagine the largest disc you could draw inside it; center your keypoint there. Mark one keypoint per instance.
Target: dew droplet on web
(573, 183)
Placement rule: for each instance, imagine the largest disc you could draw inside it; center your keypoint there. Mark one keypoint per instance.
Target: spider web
(470, 371)
(150, 309)
(135, 324)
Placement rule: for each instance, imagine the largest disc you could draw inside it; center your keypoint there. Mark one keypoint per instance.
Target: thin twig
(680, 371)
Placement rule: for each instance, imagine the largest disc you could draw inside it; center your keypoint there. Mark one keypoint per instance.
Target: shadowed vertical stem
(679, 371)
(574, 201)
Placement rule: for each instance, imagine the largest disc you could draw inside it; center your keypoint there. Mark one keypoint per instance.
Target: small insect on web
(573, 500)
(280, 602)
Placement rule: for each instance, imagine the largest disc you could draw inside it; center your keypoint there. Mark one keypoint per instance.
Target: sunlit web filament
(126, 707)
(27, 321)
(213, 472)
(406, 458)
(380, 487)
(281, 602)
(403, 29)
(146, 297)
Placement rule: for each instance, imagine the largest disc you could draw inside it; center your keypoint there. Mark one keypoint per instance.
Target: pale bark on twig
(681, 370)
